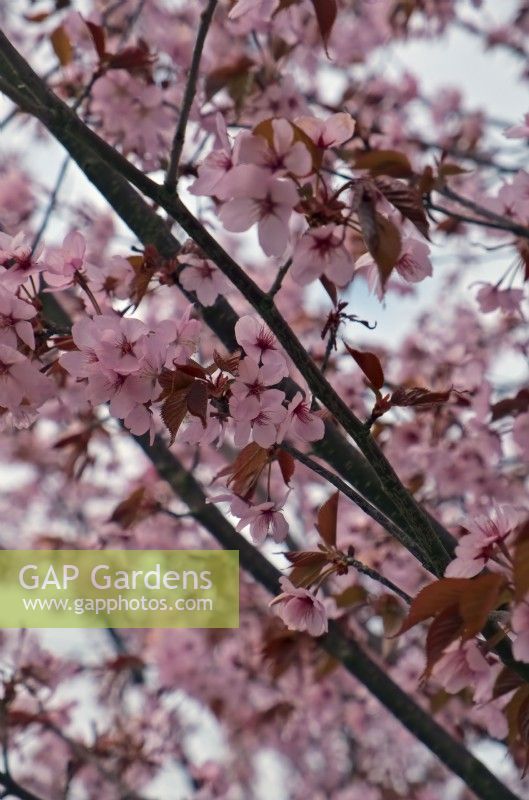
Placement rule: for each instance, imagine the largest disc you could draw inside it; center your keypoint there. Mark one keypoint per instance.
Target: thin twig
(189, 95)
(61, 175)
(276, 286)
(376, 576)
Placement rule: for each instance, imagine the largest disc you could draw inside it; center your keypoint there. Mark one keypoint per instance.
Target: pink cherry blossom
(321, 251)
(216, 167)
(260, 417)
(253, 380)
(265, 519)
(121, 344)
(301, 422)
(518, 131)
(413, 265)
(21, 381)
(262, 8)
(285, 155)
(335, 130)
(479, 545)
(63, 264)
(491, 298)
(200, 275)
(18, 260)
(462, 665)
(260, 344)
(520, 626)
(14, 320)
(262, 199)
(300, 610)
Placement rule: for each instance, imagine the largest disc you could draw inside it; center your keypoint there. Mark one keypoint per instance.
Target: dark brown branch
(189, 95)
(450, 752)
(86, 148)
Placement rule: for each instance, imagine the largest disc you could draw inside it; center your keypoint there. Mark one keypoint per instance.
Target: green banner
(119, 589)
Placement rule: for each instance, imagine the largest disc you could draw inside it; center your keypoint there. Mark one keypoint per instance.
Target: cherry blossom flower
(413, 265)
(200, 275)
(462, 665)
(491, 298)
(520, 626)
(260, 417)
(264, 8)
(121, 344)
(18, 260)
(286, 155)
(300, 610)
(14, 320)
(476, 547)
(63, 264)
(260, 344)
(110, 280)
(520, 432)
(518, 131)
(259, 198)
(21, 381)
(321, 251)
(335, 130)
(265, 519)
(216, 166)
(301, 421)
(186, 336)
(253, 380)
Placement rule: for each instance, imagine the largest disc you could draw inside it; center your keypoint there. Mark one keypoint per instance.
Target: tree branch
(171, 177)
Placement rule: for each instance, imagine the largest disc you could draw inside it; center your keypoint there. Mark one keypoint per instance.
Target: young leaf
(506, 681)
(407, 200)
(62, 46)
(434, 599)
(98, 37)
(197, 401)
(477, 600)
(173, 412)
(287, 465)
(382, 162)
(246, 469)
(445, 628)
(521, 563)
(326, 11)
(370, 366)
(327, 520)
(416, 396)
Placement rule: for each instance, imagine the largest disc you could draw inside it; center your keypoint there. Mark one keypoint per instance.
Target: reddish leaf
(434, 599)
(351, 596)
(62, 46)
(327, 520)
(477, 600)
(380, 162)
(506, 681)
(326, 11)
(445, 628)
(227, 76)
(287, 465)
(381, 237)
(306, 558)
(407, 200)
(370, 365)
(98, 37)
(133, 509)
(197, 401)
(173, 412)
(228, 363)
(131, 58)
(417, 396)
(511, 405)
(521, 563)
(246, 469)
